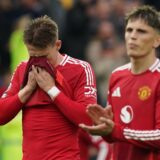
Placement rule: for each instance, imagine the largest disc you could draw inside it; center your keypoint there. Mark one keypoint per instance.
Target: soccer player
(134, 93)
(52, 90)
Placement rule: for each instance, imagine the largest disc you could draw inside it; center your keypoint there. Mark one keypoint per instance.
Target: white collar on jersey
(152, 68)
(63, 60)
(154, 65)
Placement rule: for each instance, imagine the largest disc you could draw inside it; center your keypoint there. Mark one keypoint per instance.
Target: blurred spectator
(57, 10)
(119, 8)
(34, 8)
(103, 9)
(17, 47)
(6, 20)
(155, 3)
(76, 33)
(98, 10)
(105, 53)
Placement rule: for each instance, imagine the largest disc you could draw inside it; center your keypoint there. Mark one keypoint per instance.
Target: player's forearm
(143, 138)
(9, 107)
(74, 111)
(147, 139)
(117, 134)
(25, 94)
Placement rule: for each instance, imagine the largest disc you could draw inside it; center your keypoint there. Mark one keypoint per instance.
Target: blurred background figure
(102, 52)
(93, 147)
(17, 48)
(6, 20)
(76, 31)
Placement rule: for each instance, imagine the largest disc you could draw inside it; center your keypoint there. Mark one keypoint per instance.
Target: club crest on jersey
(144, 93)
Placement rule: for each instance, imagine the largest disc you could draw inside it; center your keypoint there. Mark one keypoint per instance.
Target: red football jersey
(86, 141)
(50, 128)
(135, 101)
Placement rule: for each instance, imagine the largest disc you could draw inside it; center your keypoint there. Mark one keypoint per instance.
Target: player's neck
(59, 59)
(140, 65)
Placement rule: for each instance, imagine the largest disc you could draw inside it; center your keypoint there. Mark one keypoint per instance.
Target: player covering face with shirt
(52, 90)
(131, 121)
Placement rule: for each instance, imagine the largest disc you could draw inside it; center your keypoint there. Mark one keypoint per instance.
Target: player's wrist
(53, 92)
(24, 94)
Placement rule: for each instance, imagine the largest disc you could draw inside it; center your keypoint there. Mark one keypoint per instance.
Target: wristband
(53, 92)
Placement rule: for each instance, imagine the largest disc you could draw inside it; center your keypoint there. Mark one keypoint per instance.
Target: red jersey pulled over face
(135, 100)
(50, 127)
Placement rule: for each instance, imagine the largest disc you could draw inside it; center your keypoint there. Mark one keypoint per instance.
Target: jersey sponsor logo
(116, 92)
(144, 93)
(126, 115)
(90, 91)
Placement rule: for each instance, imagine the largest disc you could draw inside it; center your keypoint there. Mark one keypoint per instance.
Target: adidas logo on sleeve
(116, 92)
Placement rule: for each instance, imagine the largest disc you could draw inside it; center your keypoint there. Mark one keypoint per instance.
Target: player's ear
(157, 41)
(58, 44)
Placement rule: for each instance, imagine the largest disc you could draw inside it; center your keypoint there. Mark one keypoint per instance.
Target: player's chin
(134, 55)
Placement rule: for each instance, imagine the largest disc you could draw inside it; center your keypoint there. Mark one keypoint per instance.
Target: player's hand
(96, 111)
(108, 112)
(44, 80)
(31, 84)
(25, 93)
(105, 128)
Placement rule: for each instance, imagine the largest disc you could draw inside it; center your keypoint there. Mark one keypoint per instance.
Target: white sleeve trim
(147, 135)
